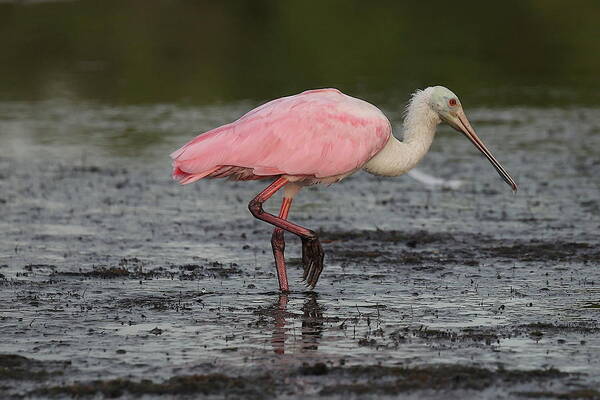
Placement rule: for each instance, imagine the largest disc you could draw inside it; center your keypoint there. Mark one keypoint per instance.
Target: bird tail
(196, 159)
(185, 177)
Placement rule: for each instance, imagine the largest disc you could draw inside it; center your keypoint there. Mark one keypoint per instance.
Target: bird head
(448, 107)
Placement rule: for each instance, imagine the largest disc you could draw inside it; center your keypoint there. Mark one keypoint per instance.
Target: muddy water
(112, 274)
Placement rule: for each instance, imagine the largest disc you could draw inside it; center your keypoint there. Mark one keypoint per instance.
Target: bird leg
(278, 244)
(312, 252)
(312, 260)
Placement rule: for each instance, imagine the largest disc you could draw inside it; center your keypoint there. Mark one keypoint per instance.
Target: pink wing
(317, 133)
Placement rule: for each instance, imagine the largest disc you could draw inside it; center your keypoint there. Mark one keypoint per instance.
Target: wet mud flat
(116, 282)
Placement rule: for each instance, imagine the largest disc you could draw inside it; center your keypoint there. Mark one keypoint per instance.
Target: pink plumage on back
(315, 134)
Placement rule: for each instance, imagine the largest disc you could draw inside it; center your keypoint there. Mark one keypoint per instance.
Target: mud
(116, 282)
(353, 381)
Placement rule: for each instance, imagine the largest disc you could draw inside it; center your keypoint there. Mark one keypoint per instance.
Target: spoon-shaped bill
(463, 125)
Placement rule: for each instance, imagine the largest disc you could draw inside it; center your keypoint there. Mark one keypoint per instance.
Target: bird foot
(312, 259)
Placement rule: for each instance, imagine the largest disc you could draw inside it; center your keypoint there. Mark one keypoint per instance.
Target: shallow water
(115, 281)
(109, 264)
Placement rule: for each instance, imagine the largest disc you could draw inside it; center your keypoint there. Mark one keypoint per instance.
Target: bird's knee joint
(255, 207)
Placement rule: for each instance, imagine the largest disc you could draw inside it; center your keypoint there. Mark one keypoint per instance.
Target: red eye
(452, 102)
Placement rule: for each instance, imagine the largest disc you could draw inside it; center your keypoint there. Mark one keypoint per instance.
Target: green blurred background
(531, 52)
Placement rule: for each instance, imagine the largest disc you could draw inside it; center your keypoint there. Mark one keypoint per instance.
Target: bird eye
(452, 102)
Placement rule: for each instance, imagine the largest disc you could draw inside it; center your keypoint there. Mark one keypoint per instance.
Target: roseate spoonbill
(318, 136)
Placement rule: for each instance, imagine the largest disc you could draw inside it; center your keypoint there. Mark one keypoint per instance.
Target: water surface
(110, 267)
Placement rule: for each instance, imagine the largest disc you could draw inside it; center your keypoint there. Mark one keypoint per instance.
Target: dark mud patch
(410, 239)
(434, 261)
(546, 251)
(212, 384)
(587, 394)
(487, 336)
(102, 272)
(39, 267)
(460, 247)
(213, 269)
(541, 328)
(318, 378)
(19, 368)
(181, 302)
(136, 269)
(466, 335)
(396, 380)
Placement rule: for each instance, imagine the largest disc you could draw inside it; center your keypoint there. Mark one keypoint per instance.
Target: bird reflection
(278, 339)
(312, 324)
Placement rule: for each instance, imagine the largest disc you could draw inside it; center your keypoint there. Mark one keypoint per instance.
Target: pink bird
(318, 136)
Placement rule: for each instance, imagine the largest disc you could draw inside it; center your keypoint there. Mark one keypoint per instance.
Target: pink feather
(315, 134)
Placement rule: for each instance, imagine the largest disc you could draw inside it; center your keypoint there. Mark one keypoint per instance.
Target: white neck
(398, 157)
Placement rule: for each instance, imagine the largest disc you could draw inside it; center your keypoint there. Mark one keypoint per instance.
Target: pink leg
(278, 244)
(312, 252)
